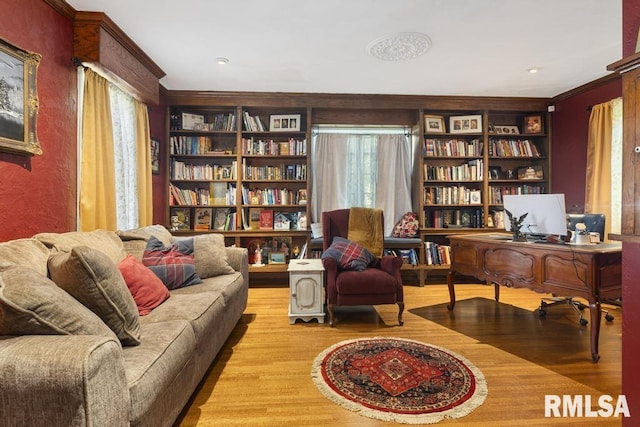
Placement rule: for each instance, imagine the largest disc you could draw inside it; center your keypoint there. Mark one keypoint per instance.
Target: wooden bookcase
(471, 158)
(260, 159)
(246, 170)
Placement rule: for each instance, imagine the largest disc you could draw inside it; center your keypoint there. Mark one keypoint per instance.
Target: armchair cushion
(349, 255)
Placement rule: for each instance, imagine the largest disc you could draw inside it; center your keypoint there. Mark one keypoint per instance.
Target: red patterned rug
(399, 380)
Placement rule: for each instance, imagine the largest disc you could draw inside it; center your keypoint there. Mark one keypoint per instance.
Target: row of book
(496, 193)
(513, 148)
(470, 171)
(282, 172)
(217, 121)
(268, 219)
(209, 172)
(223, 121)
(260, 147)
(253, 123)
(451, 195)
(408, 256)
(190, 145)
(452, 147)
(436, 254)
(454, 218)
(218, 193)
(273, 196)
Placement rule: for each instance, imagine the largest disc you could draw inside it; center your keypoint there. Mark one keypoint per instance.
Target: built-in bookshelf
(243, 172)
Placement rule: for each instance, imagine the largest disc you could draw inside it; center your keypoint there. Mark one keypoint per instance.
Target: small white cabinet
(306, 290)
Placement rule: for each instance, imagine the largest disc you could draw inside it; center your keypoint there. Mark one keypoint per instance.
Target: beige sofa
(63, 363)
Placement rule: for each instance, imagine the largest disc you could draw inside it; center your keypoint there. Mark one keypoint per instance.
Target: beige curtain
(97, 203)
(143, 143)
(598, 182)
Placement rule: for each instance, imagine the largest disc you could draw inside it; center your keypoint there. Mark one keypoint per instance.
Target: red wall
(569, 146)
(38, 193)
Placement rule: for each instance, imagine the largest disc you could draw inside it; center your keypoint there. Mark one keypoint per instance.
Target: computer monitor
(546, 213)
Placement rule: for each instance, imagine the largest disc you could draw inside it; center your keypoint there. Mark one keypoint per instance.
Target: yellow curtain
(97, 202)
(143, 145)
(598, 182)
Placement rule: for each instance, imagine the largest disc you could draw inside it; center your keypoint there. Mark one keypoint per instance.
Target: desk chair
(595, 224)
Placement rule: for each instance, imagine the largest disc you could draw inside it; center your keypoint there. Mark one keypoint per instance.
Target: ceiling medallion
(399, 46)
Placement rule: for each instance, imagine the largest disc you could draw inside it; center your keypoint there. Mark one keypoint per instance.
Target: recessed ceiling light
(399, 46)
(533, 70)
(220, 60)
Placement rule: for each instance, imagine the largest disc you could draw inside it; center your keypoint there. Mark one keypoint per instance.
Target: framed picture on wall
(18, 100)
(155, 156)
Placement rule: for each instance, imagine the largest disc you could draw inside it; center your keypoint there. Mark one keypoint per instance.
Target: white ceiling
(479, 47)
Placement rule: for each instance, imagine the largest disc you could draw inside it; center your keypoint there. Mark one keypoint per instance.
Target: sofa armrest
(238, 259)
(72, 380)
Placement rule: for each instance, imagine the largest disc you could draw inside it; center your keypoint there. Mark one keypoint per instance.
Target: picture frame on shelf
(495, 172)
(277, 258)
(192, 121)
(465, 124)
(18, 123)
(505, 130)
(531, 173)
(475, 197)
(284, 123)
(202, 219)
(155, 156)
(433, 124)
(533, 124)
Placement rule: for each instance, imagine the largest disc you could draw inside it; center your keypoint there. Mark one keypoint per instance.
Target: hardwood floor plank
(262, 375)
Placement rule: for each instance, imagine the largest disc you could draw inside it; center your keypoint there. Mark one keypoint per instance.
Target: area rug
(394, 379)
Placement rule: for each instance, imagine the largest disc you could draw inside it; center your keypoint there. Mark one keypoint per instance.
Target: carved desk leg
(596, 312)
(452, 291)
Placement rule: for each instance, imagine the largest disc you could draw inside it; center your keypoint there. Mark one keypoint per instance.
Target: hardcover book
(202, 219)
(266, 219)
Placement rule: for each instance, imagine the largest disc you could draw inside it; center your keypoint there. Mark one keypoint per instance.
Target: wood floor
(262, 375)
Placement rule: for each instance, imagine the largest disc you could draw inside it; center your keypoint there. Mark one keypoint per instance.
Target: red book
(266, 219)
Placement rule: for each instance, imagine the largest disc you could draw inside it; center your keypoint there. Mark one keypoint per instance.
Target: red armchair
(379, 283)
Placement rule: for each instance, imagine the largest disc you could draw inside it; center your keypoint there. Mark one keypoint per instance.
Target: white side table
(306, 290)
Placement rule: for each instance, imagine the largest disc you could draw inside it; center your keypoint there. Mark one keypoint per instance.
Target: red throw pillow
(147, 289)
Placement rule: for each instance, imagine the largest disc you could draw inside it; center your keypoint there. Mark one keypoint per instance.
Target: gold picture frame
(18, 100)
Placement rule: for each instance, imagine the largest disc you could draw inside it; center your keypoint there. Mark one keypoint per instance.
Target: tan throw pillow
(105, 241)
(31, 304)
(93, 279)
(210, 255)
(135, 241)
(25, 252)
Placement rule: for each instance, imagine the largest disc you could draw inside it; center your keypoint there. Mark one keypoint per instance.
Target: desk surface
(592, 272)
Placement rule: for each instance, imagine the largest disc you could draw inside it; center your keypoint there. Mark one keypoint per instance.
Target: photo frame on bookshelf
(465, 124)
(433, 124)
(531, 173)
(495, 172)
(533, 124)
(284, 122)
(192, 121)
(277, 258)
(505, 130)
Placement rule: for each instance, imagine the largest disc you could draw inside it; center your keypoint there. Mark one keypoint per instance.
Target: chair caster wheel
(608, 317)
(583, 322)
(542, 313)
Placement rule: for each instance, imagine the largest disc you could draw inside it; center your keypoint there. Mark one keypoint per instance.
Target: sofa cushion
(209, 254)
(349, 255)
(25, 252)
(32, 304)
(93, 279)
(173, 267)
(105, 241)
(151, 368)
(147, 289)
(135, 241)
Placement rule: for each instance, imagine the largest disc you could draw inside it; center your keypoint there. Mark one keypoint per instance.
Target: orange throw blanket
(365, 228)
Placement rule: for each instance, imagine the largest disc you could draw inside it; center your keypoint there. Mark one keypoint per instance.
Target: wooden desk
(592, 272)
